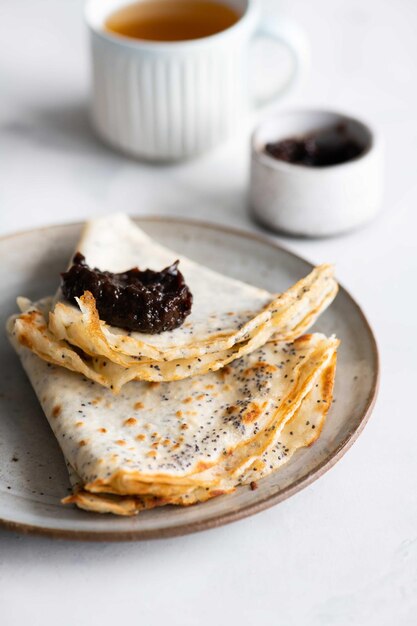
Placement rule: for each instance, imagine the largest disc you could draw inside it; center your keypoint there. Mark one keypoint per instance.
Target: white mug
(173, 100)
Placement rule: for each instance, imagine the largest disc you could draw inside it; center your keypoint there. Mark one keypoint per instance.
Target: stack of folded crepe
(178, 417)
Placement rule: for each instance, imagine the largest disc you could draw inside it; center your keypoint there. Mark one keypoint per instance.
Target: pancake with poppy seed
(224, 395)
(186, 441)
(220, 329)
(301, 431)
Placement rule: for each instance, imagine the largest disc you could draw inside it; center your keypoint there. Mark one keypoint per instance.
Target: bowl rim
(258, 154)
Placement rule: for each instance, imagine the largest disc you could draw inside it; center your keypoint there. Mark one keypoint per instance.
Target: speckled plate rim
(250, 509)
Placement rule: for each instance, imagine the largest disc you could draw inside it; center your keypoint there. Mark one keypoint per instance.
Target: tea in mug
(171, 20)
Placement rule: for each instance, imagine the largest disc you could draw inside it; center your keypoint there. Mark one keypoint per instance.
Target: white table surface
(344, 550)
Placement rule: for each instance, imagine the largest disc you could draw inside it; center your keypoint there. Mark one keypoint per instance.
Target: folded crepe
(229, 318)
(219, 402)
(186, 441)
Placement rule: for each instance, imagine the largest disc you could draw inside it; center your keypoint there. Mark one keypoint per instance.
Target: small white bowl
(314, 201)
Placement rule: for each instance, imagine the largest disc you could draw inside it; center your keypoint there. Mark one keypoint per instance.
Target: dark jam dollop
(327, 147)
(143, 301)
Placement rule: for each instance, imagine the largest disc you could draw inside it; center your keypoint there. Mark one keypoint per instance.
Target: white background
(343, 551)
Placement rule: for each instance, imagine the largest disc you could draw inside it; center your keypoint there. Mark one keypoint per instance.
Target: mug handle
(287, 33)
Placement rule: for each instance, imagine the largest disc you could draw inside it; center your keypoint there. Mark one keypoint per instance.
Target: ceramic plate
(33, 476)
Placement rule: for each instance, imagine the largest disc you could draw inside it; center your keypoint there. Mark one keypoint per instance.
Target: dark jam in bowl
(143, 301)
(319, 149)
